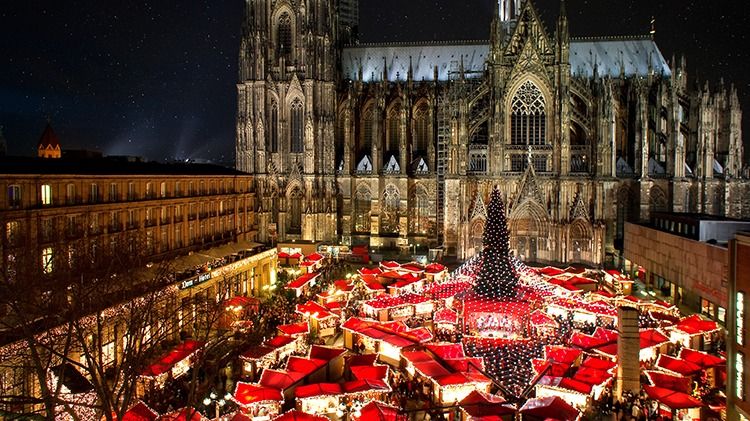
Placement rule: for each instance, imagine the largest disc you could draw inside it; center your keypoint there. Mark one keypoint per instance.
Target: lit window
(739, 365)
(740, 318)
(46, 194)
(721, 314)
(12, 230)
(47, 260)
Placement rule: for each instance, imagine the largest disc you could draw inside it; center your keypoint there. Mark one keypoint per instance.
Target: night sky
(157, 78)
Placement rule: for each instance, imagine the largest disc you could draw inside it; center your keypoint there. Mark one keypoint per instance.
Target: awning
(305, 366)
(378, 411)
(377, 372)
(317, 389)
(325, 353)
(140, 412)
(247, 394)
(280, 379)
(696, 325)
(294, 328)
(550, 407)
(702, 359)
(667, 381)
(167, 361)
(676, 365)
(366, 385)
(672, 399)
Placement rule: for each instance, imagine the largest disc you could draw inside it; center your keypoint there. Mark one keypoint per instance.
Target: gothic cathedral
(394, 145)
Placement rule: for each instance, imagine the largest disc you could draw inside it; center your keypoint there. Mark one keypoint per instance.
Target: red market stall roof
(671, 398)
(294, 328)
(695, 325)
(391, 274)
(445, 315)
(651, 338)
(431, 369)
(256, 352)
(241, 303)
(540, 318)
(561, 354)
(575, 385)
(485, 407)
(581, 280)
(556, 369)
(376, 372)
(441, 291)
(307, 264)
(343, 285)
(315, 257)
(239, 416)
(390, 265)
(606, 334)
(406, 280)
(314, 310)
(676, 365)
(317, 389)
(584, 341)
(378, 411)
(702, 359)
(550, 271)
(178, 353)
(667, 381)
(283, 255)
(453, 379)
(395, 333)
(140, 412)
(598, 363)
(184, 414)
(305, 366)
(325, 353)
(592, 376)
(447, 351)
(302, 281)
(549, 407)
(361, 360)
(297, 256)
(279, 341)
(435, 268)
(295, 415)
(374, 285)
(412, 267)
(246, 394)
(370, 271)
(366, 385)
(280, 379)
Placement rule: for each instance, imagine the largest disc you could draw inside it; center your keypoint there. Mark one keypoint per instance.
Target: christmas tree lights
(497, 277)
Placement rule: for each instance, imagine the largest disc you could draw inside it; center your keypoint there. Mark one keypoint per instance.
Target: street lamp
(218, 403)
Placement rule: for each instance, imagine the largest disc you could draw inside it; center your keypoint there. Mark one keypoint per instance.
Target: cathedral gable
(528, 61)
(528, 29)
(578, 210)
(528, 189)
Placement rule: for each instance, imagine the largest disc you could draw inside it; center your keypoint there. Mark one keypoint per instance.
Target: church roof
(49, 138)
(610, 54)
(424, 57)
(633, 54)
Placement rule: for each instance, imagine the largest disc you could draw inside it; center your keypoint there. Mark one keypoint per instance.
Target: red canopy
(295, 415)
(140, 412)
(550, 271)
(431, 369)
(453, 379)
(591, 376)
(598, 363)
(445, 315)
(279, 341)
(672, 399)
(584, 341)
(280, 379)
(652, 337)
(304, 365)
(362, 372)
(378, 411)
(294, 328)
(242, 302)
(447, 351)
(317, 389)
(485, 407)
(550, 407)
(412, 267)
(366, 385)
(178, 353)
(434, 268)
(246, 394)
(540, 318)
(702, 359)
(184, 414)
(561, 354)
(556, 369)
(314, 310)
(667, 381)
(302, 281)
(315, 257)
(575, 385)
(695, 325)
(676, 365)
(361, 360)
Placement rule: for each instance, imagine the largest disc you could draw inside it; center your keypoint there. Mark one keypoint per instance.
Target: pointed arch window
(295, 211)
(389, 218)
(421, 127)
(297, 128)
(422, 218)
(273, 130)
(367, 131)
(528, 119)
(394, 122)
(284, 37)
(362, 208)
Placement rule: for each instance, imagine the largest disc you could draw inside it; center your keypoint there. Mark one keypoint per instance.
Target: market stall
(322, 322)
(301, 283)
(259, 402)
(172, 365)
(184, 414)
(140, 412)
(378, 411)
(479, 406)
(695, 332)
(675, 404)
(549, 407)
(318, 398)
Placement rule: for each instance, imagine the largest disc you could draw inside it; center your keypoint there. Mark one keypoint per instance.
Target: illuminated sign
(189, 283)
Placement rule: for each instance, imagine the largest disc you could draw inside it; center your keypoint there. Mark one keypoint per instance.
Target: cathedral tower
(286, 101)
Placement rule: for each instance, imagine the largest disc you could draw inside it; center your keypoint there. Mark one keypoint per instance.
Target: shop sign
(189, 283)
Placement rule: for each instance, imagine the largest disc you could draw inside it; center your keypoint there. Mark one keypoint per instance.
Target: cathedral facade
(398, 145)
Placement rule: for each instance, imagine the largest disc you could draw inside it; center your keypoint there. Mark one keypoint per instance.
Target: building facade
(738, 407)
(192, 228)
(400, 144)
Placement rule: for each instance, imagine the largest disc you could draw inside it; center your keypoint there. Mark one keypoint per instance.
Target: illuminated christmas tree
(497, 278)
